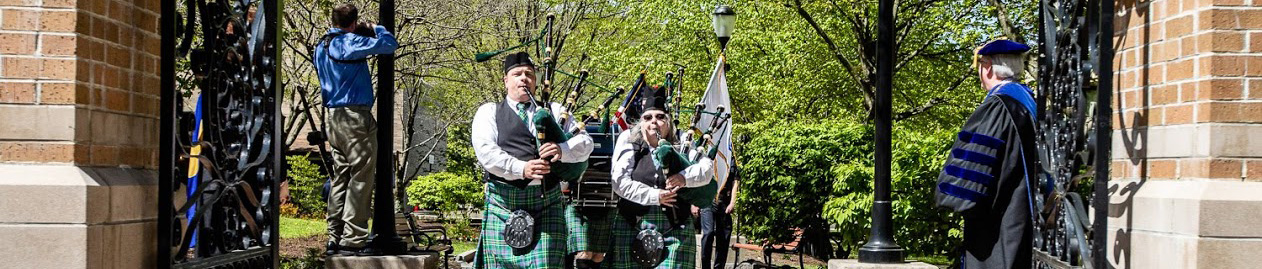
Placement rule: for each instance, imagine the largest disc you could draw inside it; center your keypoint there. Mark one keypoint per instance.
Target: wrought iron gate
(218, 197)
(1075, 65)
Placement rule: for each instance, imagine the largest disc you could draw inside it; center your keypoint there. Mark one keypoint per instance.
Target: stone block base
(65, 216)
(1185, 224)
(411, 261)
(855, 264)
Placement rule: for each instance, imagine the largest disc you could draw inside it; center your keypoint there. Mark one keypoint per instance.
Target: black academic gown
(986, 178)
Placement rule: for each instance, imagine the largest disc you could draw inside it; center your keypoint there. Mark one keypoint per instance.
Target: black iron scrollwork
(229, 46)
(1071, 54)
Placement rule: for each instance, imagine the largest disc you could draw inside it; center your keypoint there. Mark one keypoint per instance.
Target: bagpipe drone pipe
(548, 127)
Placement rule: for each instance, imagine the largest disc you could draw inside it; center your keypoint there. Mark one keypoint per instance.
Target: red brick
(82, 154)
(83, 22)
(1216, 19)
(20, 3)
(1229, 112)
(1253, 65)
(1223, 66)
(1255, 42)
(120, 11)
(133, 156)
(1221, 42)
(83, 94)
(1117, 169)
(1178, 27)
(1179, 114)
(125, 36)
(147, 22)
(57, 45)
(117, 100)
(20, 19)
(57, 93)
(1161, 95)
(83, 71)
(1210, 168)
(1253, 170)
(17, 92)
(58, 21)
(1249, 18)
(15, 67)
(111, 77)
(104, 155)
(98, 27)
(62, 69)
(62, 3)
(36, 152)
(1220, 89)
(111, 31)
(125, 80)
(1162, 169)
(15, 43)
(1255, 89)
(118, 56)
(99, 7)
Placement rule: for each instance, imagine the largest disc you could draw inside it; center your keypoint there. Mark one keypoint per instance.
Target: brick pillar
(78, 133)
(1187, 156)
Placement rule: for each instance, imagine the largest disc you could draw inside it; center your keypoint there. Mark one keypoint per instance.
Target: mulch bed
(297, 247)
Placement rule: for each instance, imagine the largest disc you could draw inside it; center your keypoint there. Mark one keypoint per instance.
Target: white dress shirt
(624, 162)
(496, 161)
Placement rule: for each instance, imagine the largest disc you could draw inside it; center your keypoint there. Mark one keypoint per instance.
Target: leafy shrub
(453, 195)
(306, 183)
(787, 170)
(920, 226)
(817, 175)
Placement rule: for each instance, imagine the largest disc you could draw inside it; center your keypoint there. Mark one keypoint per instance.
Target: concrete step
(423, 261)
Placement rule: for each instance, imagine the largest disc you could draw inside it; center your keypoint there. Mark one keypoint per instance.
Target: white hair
(1007, 66)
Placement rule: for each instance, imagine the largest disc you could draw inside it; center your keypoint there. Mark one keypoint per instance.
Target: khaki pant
(353, 136)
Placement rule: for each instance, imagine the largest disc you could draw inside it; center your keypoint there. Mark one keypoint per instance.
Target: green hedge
(816, 175)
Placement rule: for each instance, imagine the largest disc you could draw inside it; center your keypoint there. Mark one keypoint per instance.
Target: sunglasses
(648, 117)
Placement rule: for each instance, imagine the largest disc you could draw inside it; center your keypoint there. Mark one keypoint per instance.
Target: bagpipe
(549, 129)
(671, 159)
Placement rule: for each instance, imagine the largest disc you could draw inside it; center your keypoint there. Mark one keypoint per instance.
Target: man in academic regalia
(520, 187)
(988, 174)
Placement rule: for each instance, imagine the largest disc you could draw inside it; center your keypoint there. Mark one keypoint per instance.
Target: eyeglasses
(648, 117)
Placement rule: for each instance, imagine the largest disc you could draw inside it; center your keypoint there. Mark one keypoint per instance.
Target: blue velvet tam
(999, 46)
(1002, 46)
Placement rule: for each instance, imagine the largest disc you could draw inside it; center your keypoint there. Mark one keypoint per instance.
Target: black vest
(516, 138)
(646, 172)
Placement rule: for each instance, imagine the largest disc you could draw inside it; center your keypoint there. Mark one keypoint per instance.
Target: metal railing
(218, 197)
(1075, 79)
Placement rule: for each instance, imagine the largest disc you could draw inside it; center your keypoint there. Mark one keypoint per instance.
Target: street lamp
(724, 23)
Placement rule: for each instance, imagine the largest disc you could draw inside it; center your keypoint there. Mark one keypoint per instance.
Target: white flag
(716, 95)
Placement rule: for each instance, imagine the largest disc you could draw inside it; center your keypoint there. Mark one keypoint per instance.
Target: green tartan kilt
(681, 245)
(589, 228)
(549, 248)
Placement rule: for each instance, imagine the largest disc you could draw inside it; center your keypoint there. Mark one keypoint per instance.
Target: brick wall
(78, 133)
(1187, 145)
(1188, 85)
(79, 82)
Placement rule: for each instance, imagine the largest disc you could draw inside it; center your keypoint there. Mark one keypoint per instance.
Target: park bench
(767, 249)
(426, 236)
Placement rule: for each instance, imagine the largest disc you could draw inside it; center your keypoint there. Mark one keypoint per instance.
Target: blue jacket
(349, 84)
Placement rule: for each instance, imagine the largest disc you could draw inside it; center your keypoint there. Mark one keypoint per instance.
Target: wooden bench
(768, 249)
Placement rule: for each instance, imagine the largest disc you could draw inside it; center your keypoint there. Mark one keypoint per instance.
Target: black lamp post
(724, 22)
(881, 247)
(384, 237)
